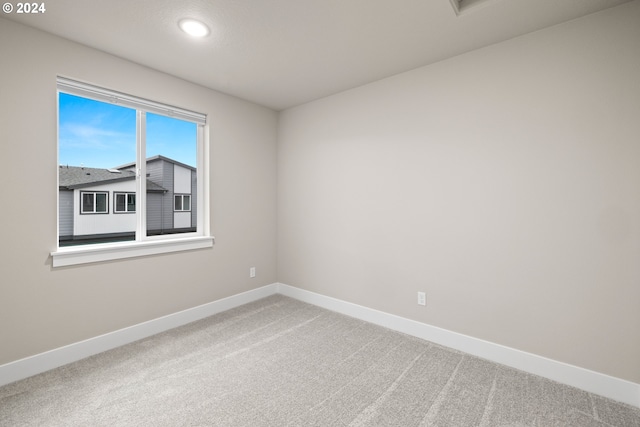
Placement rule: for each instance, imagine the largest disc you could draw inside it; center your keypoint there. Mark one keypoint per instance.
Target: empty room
(328, 213)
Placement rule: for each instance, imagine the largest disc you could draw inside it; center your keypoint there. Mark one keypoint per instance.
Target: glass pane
(101, 202)
(97, 144)
(131, 202)
(186, 203)
(87, 202)
(171, 168)
(120, 202)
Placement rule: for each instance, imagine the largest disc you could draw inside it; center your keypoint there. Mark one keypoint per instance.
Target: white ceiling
(281, 53)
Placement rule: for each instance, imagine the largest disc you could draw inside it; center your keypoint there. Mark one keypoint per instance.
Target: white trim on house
(593, 382)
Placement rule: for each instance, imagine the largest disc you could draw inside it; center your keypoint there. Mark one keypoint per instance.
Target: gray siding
(154, 172)
(161, 172)
(194, 200)
(154, 211)
(167, 183)
(65, 213)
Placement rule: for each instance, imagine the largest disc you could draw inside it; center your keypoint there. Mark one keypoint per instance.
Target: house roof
(155, 159)
(72, 177)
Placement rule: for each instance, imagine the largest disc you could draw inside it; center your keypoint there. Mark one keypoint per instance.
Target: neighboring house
(99, 205)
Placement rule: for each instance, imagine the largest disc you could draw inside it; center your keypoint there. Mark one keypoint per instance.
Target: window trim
(95, 203)
(126, 210)
(181, 196)
(150, 245)
(73, 255)
(109, 96)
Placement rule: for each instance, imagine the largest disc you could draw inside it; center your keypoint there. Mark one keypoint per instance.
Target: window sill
(110, 251)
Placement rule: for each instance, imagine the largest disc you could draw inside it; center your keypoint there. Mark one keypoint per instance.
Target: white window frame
(95, 203)
(143, 245)
(126, 195)
(181, 196)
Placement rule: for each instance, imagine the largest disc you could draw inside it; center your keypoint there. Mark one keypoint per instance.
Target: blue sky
(101, 135)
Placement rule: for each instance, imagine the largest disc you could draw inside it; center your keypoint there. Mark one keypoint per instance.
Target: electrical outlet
(422, 298)
(252, 272)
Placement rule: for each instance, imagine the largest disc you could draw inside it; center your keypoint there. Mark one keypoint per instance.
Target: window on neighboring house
(94, 202)
(124, 202)
(152, 157)
(182, 203)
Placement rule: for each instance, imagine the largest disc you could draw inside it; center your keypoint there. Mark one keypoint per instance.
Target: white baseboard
(43, 362)
(584, 379)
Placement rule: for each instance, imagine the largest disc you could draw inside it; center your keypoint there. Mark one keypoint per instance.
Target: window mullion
(202, 218)
(141, 172)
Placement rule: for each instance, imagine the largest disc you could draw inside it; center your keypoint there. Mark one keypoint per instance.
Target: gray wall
(167, 200)
(161, 172)
(154, 211)
(65, 212)
(503, 182)
(42, 308)
(194, 199)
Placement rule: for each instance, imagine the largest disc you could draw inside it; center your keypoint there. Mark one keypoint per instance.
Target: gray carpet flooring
(281, 362)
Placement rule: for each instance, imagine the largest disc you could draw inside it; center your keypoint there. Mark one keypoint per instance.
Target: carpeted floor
(281, 362)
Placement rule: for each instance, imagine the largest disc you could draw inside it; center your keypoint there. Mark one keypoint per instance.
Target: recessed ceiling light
(193, 28)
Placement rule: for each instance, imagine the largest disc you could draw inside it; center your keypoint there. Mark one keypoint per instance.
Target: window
(124, 202)
(182, 203)
(93, 202)
(151, 157)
